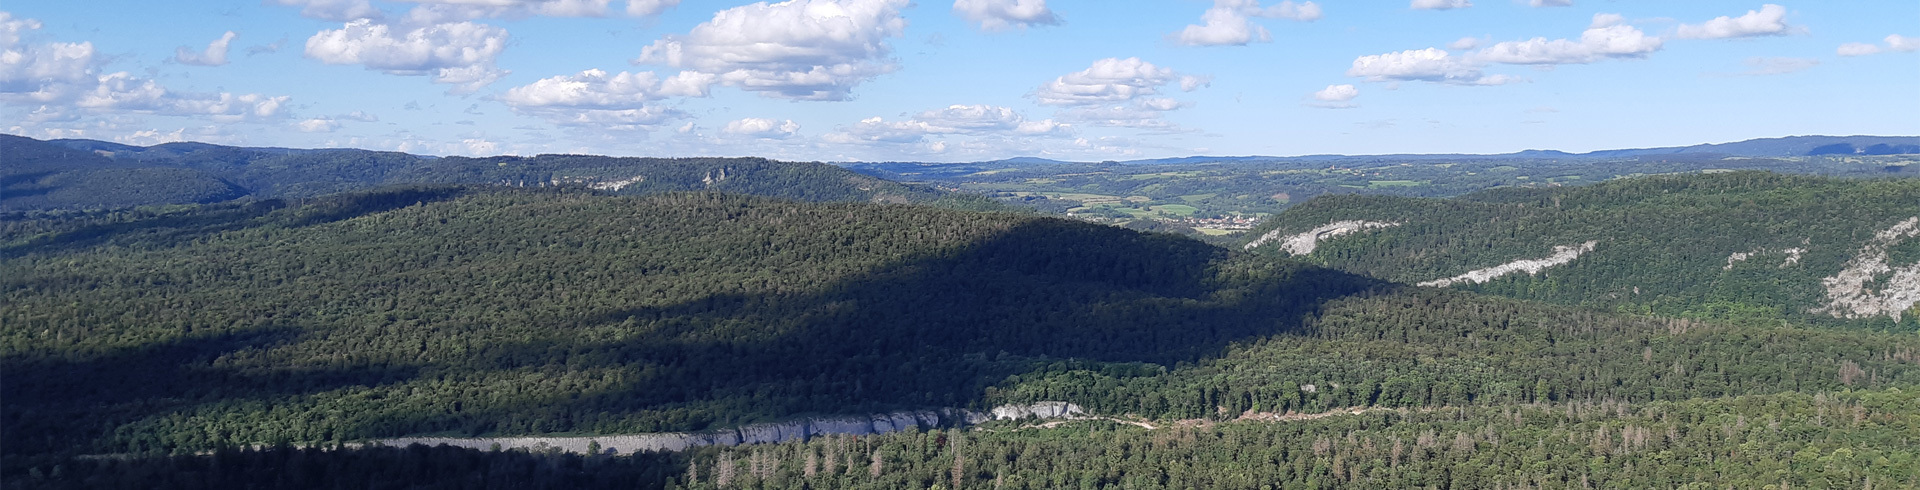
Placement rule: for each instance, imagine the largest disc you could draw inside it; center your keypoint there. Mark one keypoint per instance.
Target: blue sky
(957, 80)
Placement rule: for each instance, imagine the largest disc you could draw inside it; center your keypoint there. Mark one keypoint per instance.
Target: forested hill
(84, 174)
(455, 311)
(1750, 246)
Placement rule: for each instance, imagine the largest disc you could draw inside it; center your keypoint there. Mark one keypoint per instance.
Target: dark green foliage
(1853, 439)
(79, 174)
(1663, 243)
(423, 311)
(489, 311)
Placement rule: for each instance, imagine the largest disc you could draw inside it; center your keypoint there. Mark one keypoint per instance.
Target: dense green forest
(80, 175)
(1745, 246)
(152, 333)
(1203, 194)
(1850, 439)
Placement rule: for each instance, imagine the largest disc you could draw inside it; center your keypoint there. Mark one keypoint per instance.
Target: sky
(957, 80)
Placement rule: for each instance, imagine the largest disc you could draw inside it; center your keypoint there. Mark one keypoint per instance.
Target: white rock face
(1793, 257)
(1042, 410)
(1561, 255)
(1847, 293)
(617, 184)
(753, 434)
(1304, 243)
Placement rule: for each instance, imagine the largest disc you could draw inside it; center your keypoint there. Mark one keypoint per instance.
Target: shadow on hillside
(183, 228)
(934, 331)
(57, 405)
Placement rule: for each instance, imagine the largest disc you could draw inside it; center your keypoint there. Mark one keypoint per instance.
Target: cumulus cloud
(1430, 65)
(460, 54)
(1441, 4)
(996, 15)
(334, 10)
(1778, 66)
(614, 100)
(1118, 92)
(1337, 93)
(214, 55)
(649, 8)
(1229, 23)
(974, 120)
(1857, 49)
(1607, 37)
(1465, 43)
(754, 127)
(1551, 3)
(798, 49)
(1770, 20)
(1898, 42)
(446, 11)
(317, 125)
(1111, 80)
(57, 73)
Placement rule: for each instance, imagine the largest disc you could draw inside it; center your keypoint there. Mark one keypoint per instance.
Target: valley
(749, 325)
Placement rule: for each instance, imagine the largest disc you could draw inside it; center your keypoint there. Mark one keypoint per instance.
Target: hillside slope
(1744, 245)
(85, 174)
(451, 311)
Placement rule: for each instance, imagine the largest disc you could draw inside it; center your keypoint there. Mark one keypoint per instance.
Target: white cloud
(214, 55)
(1337, 93)
(995, 15)
(63, 74)
(1770, 20)
(596, 98)
(1111, 80)
(317, 125)
(649, 8)
(334, 10)
(1902, 43)
(360, 116)
(461, 54)
(1441, 4)
(1229, 23)
(1551, 3)
(1607, 37)
(1857, 49)
(799, 49)
(1778, 66)
(446, 11)
(1431, 65)
(124, 92)
(754, 127)
(1465, 43)
(974, 120)
(598, 89)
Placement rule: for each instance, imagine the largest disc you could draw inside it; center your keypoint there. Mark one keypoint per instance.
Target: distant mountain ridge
(88, 174)
(1790, 146)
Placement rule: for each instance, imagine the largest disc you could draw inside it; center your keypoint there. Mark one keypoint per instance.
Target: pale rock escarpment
(757, 433)
(1040, 410)
(1793, 257)
(1304, 243)
(1848, 293)
(615, 185)
(1561, 255)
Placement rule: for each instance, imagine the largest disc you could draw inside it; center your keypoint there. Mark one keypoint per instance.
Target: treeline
(489, 312)
(1664, 245)
(66, 175)
(1848, 439)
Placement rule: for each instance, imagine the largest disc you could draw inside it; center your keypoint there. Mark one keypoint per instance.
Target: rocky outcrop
(1561, 255)
(1040, 410)
(1304, 243)
(796, 430)
(1793, 257)
(1848, 292)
